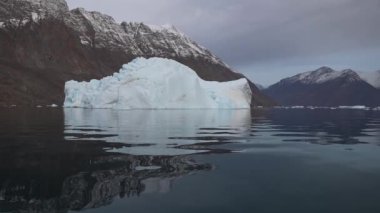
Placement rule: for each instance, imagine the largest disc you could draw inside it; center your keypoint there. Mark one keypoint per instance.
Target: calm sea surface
(269, 160)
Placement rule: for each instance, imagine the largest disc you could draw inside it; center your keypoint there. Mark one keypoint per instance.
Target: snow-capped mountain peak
(325, 87)
(166, 27)
(100, 30)
(322, 75)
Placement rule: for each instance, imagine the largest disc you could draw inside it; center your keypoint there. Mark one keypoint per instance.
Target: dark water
(54, 160)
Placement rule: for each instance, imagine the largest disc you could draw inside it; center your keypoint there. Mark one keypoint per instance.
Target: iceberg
(157, 83)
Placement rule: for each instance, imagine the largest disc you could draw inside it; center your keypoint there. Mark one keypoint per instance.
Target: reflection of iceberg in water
(158, 185)
(49, 173)
(324, 127)
(95, 182)
(156, 132)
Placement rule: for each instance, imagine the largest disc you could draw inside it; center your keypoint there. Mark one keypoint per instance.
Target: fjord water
(270, 160)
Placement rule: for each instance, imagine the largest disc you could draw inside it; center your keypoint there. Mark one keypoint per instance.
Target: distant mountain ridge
(327, 87)
(44, 44)
(322, 75)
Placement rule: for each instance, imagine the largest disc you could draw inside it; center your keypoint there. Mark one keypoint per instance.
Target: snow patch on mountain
(166, 27)
(100, 30)
(322, 75)
(157, 83)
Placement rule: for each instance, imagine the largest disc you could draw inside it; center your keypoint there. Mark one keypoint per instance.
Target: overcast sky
(266, 39)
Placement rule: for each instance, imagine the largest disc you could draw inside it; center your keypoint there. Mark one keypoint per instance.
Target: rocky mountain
(44, 44)
(325, 87)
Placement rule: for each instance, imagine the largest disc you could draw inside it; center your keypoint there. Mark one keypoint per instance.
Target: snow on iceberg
(157, 83)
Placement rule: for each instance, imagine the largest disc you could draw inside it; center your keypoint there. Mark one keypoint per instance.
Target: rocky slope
(325, 87)
(44, 44)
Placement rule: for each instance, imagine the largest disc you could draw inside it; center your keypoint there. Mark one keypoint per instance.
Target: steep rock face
(325, 87)
(31, 9)
(48, 45)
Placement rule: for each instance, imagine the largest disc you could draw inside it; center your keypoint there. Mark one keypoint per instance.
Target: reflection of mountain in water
(47, 185)
(157, 132)
(323, 126)
(54, 160)
(43, 172)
